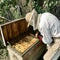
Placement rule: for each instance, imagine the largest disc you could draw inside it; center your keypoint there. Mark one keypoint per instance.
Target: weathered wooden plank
(5, 33)
(22, 26)
(9, 31)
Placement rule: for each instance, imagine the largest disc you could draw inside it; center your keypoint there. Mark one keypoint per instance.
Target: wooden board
(22, 26)
(5, 33)
(13, 29)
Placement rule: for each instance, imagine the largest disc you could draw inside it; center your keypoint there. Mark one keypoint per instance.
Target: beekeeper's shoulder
(46, 14)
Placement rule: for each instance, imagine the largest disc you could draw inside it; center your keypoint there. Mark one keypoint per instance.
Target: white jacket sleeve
(45, 31)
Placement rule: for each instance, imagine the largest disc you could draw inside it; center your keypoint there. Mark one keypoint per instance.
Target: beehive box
(21, 44)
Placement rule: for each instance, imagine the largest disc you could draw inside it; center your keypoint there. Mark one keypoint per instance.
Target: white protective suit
(49, 26)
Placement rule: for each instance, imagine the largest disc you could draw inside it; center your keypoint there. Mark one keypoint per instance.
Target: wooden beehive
(15, 31)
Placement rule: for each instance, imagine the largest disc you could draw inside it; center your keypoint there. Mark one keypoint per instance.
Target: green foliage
(3, 50)
(38, 8)
(1, 44)
(27, 1)
(9, 9)
(48, 5)
(3, 54)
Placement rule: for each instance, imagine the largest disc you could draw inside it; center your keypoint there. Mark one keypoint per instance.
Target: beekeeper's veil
(31, 18)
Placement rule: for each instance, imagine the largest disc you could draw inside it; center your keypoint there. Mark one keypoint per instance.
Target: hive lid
(12, 29)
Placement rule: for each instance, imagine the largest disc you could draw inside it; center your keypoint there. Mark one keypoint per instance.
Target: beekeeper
(49, 26)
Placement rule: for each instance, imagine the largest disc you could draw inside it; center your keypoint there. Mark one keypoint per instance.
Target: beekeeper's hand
(39, 36)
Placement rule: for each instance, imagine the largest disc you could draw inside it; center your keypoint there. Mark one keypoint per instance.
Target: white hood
(33, 19)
